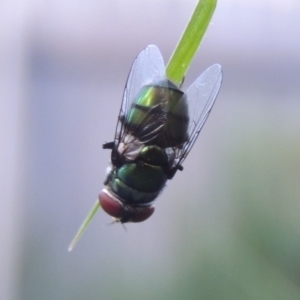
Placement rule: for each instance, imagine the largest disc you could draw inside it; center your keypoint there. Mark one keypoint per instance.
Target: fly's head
(121, 212)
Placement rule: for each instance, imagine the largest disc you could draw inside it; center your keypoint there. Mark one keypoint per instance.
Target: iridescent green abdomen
(159, 115)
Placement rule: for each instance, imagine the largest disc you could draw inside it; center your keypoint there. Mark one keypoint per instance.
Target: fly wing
(148, 67)
(201, 96)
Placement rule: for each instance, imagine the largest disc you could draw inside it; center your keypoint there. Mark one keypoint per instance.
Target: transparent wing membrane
(172, 127)
(147, 67)
(201, 96)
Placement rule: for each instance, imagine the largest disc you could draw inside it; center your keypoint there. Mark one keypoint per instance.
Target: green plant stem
(190, 41)
(84, 225)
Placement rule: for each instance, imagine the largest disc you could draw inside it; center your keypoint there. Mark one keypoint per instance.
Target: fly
(157, 127)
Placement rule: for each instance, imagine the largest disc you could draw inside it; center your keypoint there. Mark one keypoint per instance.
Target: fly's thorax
(159, 115)
(109, 173)
(140, 181)
(130, 147)
(142, 177)
(154, 155)
(137, 182)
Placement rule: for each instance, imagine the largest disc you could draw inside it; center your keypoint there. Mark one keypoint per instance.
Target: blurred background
(227, 227)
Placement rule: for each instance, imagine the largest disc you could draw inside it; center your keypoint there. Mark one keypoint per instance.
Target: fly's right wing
(148, 67)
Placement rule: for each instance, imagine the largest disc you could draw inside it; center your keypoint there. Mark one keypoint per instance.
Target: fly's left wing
(201, 96)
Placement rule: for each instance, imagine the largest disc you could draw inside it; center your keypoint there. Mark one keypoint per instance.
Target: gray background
(227, 227)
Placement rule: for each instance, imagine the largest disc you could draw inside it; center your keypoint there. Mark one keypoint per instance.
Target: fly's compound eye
(110, 205)
(124, 213)
(141, 214)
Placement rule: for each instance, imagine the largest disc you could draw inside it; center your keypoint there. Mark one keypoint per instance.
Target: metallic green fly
(157, 127)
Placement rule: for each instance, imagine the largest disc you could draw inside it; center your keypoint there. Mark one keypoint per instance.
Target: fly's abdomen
(177, 122)
(159, 115)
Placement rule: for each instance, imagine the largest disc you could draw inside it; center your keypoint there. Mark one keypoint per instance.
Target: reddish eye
(141, 214)
(110, 205)
(123, 213)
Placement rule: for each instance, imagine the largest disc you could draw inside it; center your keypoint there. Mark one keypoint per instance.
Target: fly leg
(172, 172)
(109, 145)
